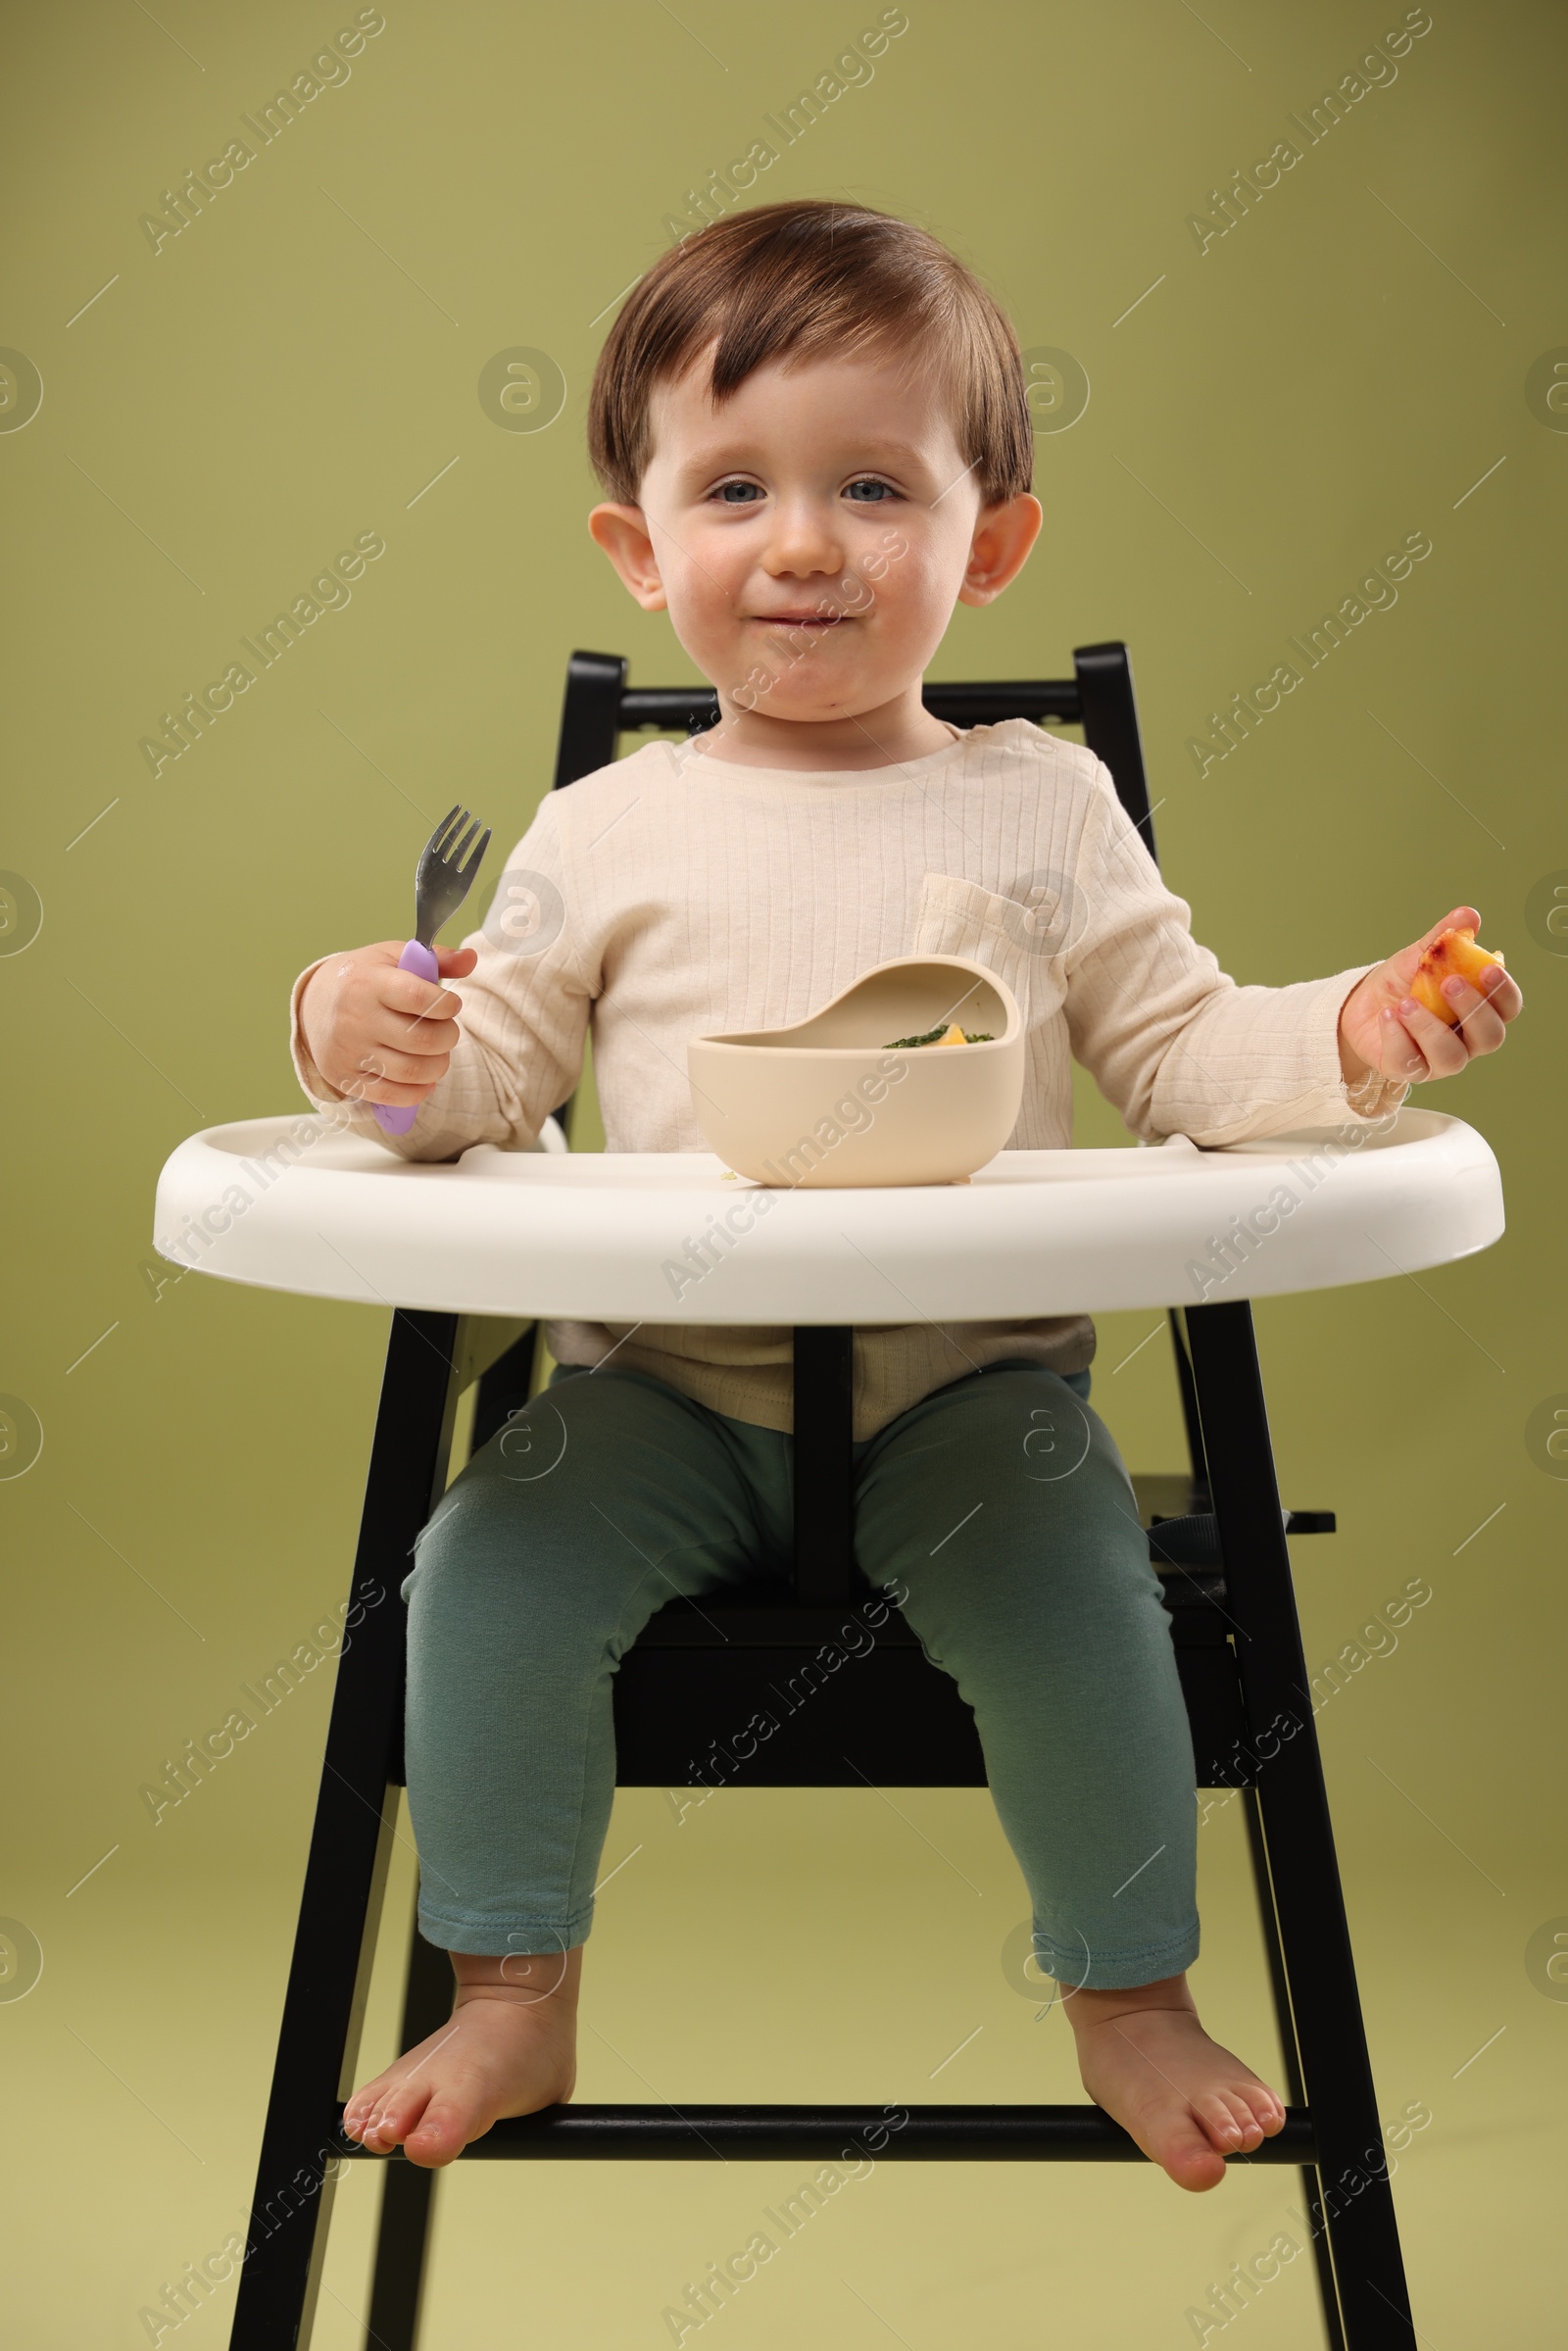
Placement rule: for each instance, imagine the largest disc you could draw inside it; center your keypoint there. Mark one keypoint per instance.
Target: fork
(440, 886)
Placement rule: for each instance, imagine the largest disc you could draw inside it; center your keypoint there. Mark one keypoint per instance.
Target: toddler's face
(811, 537)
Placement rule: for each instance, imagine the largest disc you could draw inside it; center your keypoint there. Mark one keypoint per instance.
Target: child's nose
(805, 539)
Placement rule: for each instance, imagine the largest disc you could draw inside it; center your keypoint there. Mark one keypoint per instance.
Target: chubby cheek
(915, 599)
(704, 607)
(704, 578)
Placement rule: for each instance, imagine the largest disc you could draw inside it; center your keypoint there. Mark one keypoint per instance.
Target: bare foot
(509, 2047)
(1145, 2058)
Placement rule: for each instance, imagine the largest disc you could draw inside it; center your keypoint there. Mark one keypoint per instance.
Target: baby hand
(378, 1033)
(1383, 1027)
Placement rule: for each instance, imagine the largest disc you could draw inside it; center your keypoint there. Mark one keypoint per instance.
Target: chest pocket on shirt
(1024, 938)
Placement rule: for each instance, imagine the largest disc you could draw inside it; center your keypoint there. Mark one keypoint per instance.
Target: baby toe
(1191, 2161)
(355, 2114)
(394, 2112)
(440, 2134)
(401, 2110)
(1247, 2122)
(1265, 2106)
(1213, 2111)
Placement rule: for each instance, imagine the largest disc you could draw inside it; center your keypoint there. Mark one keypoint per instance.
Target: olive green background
(1266, 420)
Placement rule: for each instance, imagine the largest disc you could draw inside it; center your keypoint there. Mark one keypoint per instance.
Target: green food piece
(970, 1037)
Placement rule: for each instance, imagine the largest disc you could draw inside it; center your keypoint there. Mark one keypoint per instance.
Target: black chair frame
(1217, 1537)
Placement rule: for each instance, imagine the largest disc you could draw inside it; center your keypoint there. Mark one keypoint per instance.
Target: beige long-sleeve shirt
(673, 893)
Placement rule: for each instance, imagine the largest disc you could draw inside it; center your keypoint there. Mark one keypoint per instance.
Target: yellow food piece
(1455, 954)
(954, 1035)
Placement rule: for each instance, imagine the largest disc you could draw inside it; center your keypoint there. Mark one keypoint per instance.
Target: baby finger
(1444, 1050)
(1401, 1055)
(1502, 992)
(1479, 1024)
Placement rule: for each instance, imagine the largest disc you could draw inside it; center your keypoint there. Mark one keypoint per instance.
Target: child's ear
(622, 532)
(1003, 538)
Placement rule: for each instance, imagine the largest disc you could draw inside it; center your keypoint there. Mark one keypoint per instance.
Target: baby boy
(812, 425)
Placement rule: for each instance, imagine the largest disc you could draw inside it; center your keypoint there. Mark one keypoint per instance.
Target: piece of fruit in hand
(1455, 954)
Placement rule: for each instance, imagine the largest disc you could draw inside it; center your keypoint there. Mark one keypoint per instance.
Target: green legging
(999, 1505)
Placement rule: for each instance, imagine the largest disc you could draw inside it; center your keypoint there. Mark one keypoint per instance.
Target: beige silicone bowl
(827, 1102)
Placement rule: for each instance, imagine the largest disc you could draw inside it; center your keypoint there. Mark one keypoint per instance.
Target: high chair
(1217, 1538)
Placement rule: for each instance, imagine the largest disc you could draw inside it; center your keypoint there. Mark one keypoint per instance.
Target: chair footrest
(1194, 1541)
(828, 2134)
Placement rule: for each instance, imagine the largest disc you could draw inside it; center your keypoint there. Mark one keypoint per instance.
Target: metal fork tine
(430, 854)
(465, 873)
(447, 831)
(455, 856)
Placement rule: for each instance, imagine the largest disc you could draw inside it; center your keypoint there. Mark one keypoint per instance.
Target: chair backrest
(600, 707)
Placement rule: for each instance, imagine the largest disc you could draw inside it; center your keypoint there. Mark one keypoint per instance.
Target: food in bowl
(950, 1035)
(1455, 955)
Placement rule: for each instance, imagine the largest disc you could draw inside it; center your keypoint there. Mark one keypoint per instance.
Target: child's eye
(869, 482)
(744, 490)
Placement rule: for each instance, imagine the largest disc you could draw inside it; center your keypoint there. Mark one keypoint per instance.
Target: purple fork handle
(396, 1118)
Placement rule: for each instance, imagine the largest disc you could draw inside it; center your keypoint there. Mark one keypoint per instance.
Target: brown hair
(812, 278)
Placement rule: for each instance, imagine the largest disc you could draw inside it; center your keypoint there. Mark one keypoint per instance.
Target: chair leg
(1357, 2197)
(408, 2188)
(1257, 1847)
(1199, 1498)
(345, 1874)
